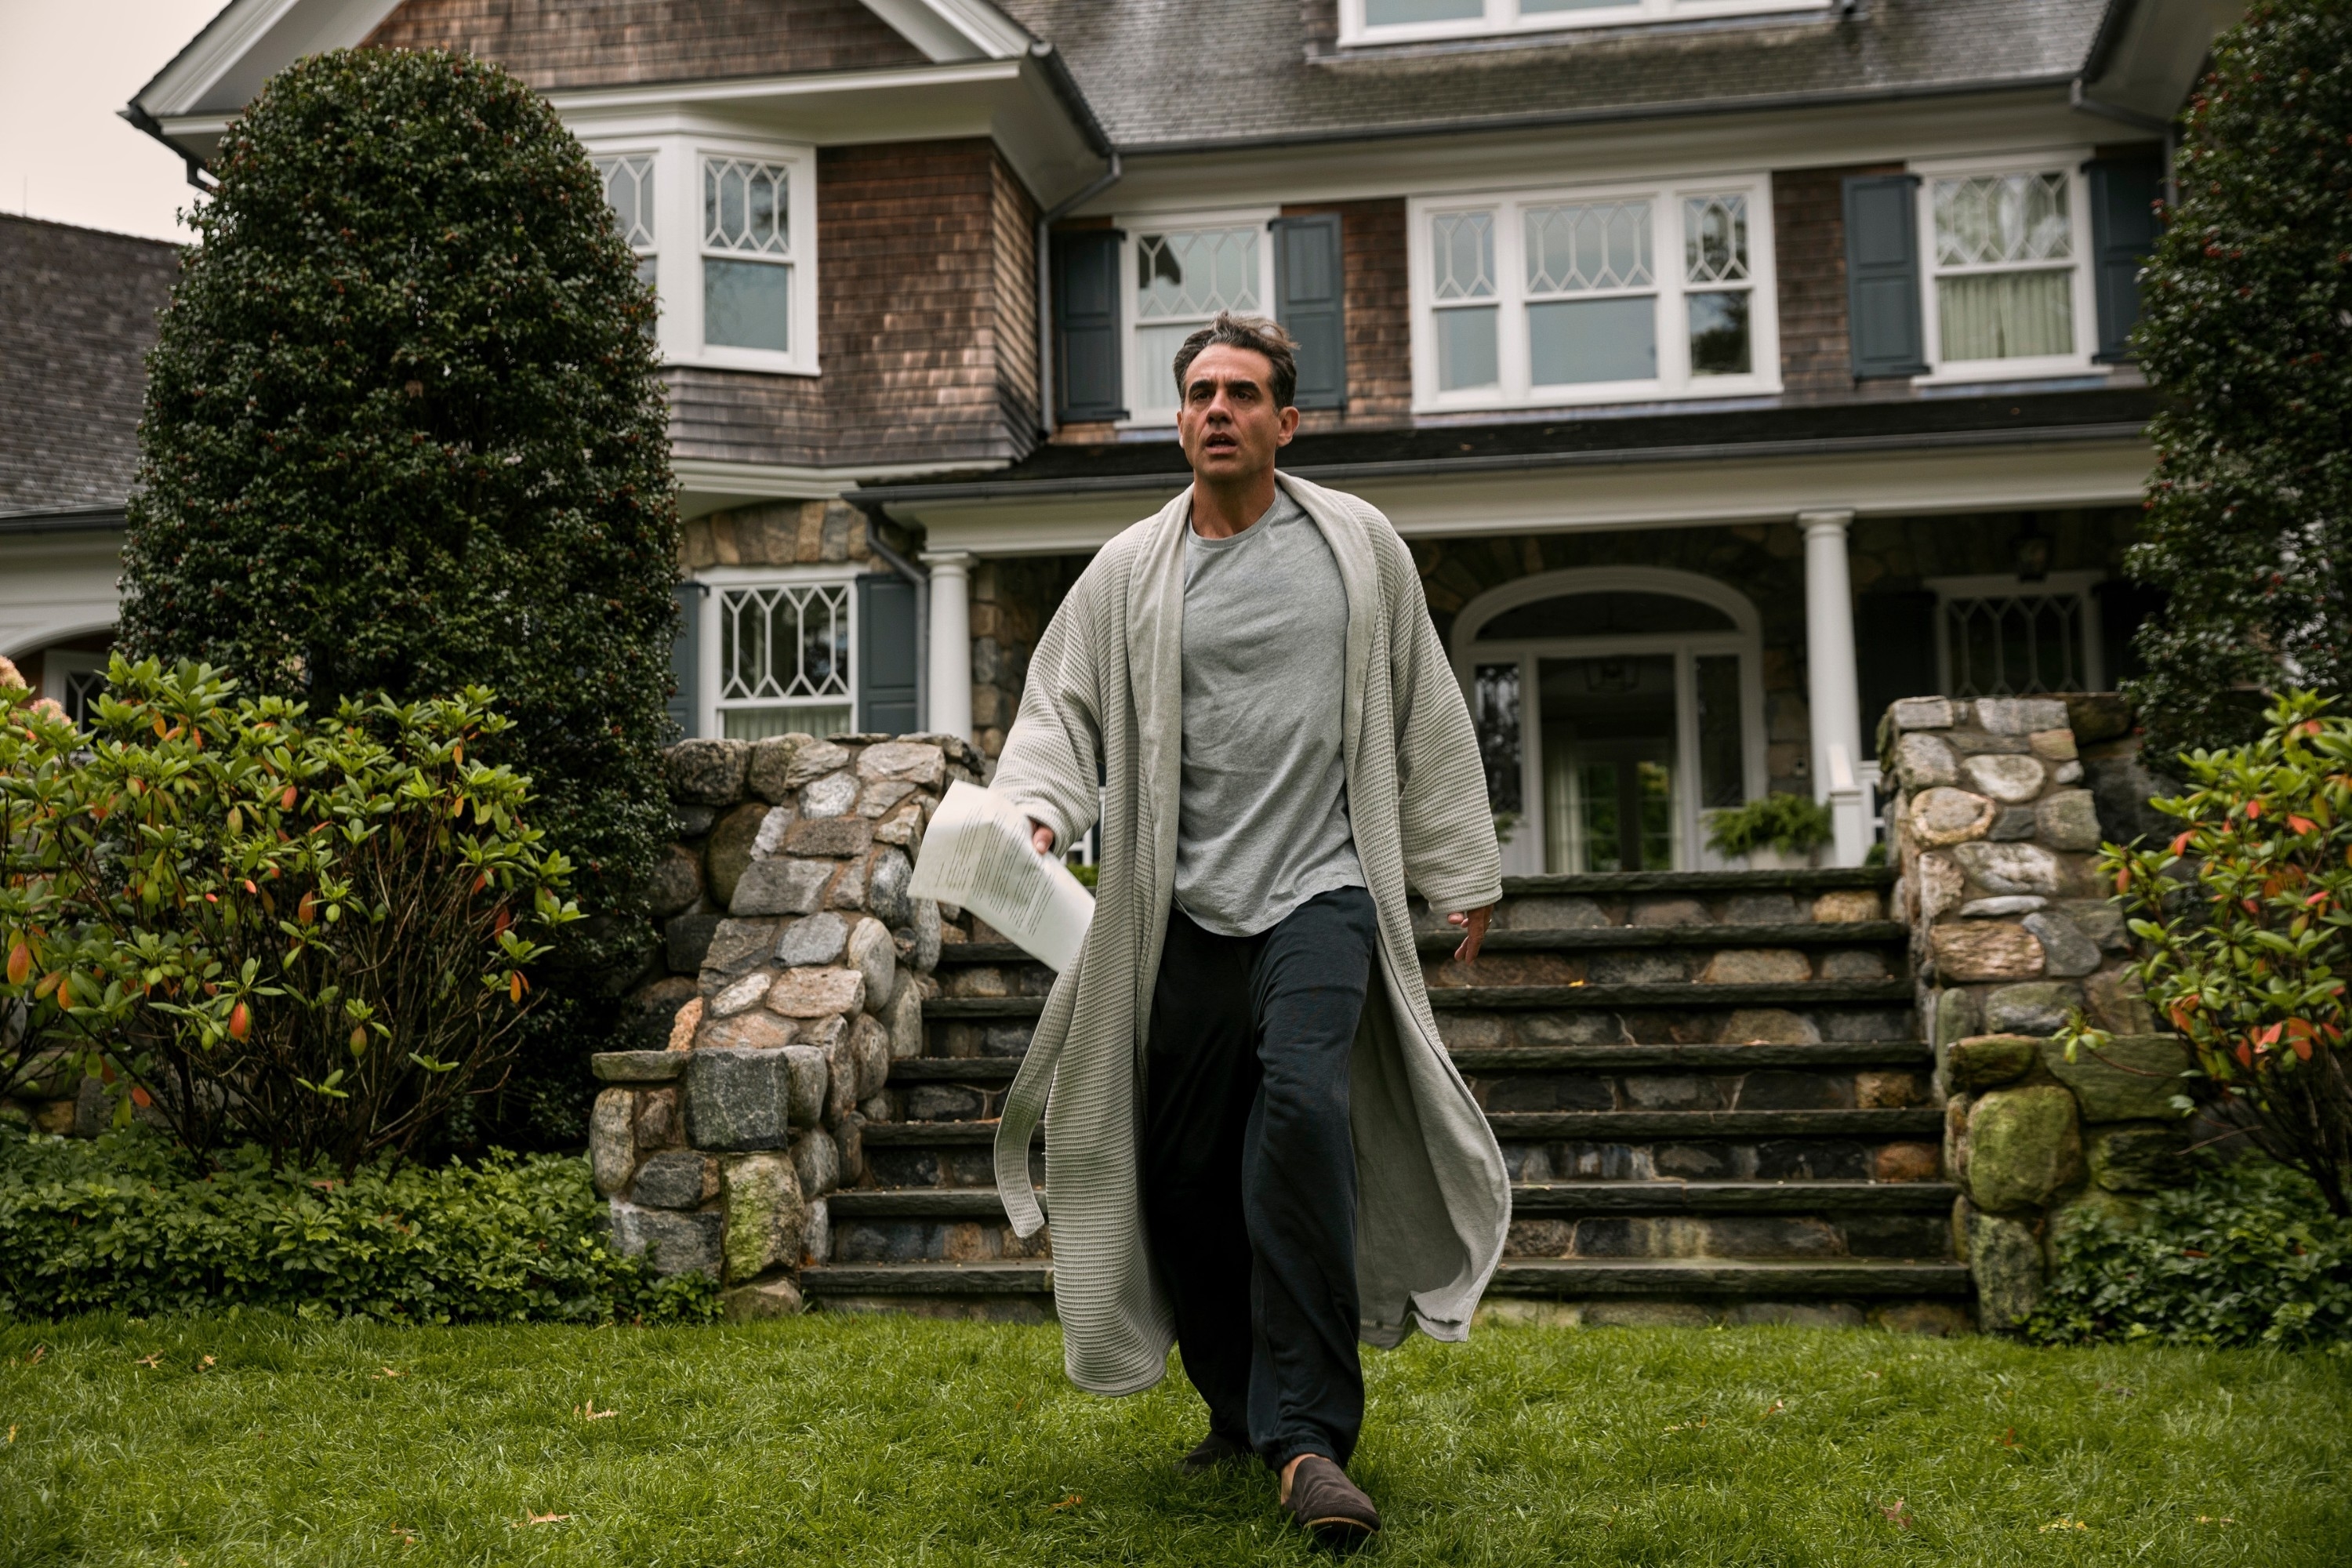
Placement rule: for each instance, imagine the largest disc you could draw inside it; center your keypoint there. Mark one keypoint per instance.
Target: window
(1181, 277)
(739, 218)
(784, 659)
(2002, 637)
(2006, 292)
(73, 679)
(629, 192)
(1551, 299)
(1404, 21)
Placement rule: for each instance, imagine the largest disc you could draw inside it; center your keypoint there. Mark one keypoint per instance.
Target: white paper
(977, 853)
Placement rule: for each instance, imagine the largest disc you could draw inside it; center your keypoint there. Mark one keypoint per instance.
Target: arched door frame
(1524, 853)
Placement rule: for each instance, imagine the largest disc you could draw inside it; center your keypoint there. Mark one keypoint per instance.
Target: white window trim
(1509, 16)
(678, 244)
(2068, 160)
(710, 678)
(1134, 227)
(1674, 383)
(61, 664)
(1525, 855)
(2075, 585)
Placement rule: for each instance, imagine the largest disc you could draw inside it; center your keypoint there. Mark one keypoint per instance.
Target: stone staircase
(1708, 1087)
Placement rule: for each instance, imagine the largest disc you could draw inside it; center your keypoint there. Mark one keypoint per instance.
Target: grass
(830, 1440)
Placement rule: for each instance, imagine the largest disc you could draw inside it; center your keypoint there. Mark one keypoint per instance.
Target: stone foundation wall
(1996, 827)
(798, 970)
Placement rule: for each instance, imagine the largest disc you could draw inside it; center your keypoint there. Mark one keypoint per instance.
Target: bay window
(1583, 298)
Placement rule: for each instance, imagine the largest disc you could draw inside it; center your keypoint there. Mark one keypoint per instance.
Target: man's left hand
(1474, 925)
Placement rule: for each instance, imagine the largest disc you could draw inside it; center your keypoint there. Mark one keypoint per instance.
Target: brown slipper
(1329, 1506)
(1210, 1452)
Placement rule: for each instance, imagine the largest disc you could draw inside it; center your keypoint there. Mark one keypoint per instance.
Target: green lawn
(822, 1441)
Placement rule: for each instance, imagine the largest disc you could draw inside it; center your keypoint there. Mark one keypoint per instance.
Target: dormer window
(1410, 21)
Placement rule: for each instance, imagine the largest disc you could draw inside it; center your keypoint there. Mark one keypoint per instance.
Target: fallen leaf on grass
(34, 1359)
(206, 1363)
(2009, 1439)
(1777, 1406)
(530, 1519)
(2065, 1522)
(407, 1536)
(12, 1433)
(154, 1360)
(387, 1371)
(1687, 1426)
(1897, 1514)
(590, 1413)
(1073, 1501)
(2201, 1519)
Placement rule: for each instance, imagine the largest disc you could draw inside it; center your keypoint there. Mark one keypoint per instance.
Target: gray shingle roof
(1175, 73)
(77, 318)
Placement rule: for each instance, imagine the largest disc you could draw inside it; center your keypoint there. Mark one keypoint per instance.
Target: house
(1732, 366)
(77, 318)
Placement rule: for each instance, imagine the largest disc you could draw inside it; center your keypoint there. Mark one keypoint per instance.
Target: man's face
(1229, 424)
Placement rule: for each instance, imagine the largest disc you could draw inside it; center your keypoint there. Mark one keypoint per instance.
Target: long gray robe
(1106, 682)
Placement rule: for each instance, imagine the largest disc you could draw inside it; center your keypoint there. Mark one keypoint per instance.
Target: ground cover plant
(308, 932)
(2247, 1254)
(404, 434)
(2247, 327)
(870, 1441)
(128, 1223)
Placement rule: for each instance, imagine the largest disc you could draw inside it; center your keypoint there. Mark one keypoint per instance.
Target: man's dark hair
(1255, 333)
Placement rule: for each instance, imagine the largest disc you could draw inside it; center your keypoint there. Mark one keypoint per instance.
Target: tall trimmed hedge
(2248, 328)
(404, 434)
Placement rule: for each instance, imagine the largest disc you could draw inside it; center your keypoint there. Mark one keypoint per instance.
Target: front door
(1609, 752)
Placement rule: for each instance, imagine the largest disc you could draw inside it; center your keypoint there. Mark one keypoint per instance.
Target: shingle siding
(555, 44)
(1809, 230)
(925, 337)
(78, 312)
(1379, 308)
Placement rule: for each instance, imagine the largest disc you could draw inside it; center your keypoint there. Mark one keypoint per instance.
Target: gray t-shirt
(1263, 824)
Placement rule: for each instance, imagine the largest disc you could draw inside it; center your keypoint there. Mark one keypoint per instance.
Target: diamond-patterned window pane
(1462, 248)
(1714, 238)
(1577, 249)
(1195, 272)
(629, 192)
(743, 207)
(2015, 645)
(1991, 218)
(784, 642)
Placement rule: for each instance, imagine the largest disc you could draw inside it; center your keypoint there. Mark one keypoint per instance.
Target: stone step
(1596, 884)
(1625, 1125)
(1683, 1278)
(1025, 1277)
(1659, 1055)
(1551, 998)
(1561, 939)
(1554, 1199)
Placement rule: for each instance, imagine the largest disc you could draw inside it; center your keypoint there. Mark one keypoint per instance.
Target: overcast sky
(66, 67)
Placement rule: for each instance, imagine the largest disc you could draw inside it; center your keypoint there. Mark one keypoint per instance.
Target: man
(1252, 1145)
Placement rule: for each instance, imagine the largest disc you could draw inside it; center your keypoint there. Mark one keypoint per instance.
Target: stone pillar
(951, 673)
(798, 967)
(1834, 696)
(2011, 933)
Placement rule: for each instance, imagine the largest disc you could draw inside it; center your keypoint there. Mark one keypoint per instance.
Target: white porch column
(950, 672)
(1834, 694)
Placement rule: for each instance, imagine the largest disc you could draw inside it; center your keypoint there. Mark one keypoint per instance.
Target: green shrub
(404, 434)
(1789, 823)
(126, 1224)
(2248, 328)
(308, 934)
(2241, 921)
(2247, 1254)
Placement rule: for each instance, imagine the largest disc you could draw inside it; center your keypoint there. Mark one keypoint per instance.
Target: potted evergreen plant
(1779, 832)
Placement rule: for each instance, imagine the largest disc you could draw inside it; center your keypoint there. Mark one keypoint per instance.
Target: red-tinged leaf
(2301, 823)
(2245, 1056)
(141, 1097)
(240, 1022)
(2180, 843)
(514, 985)
(2302, 1049)
(49, 982)
(481, 880)
(2123, 883)
(506, 918)
(162, 730)
(20, 964)
(286, 801)
(2316, 900)
(2269, 1036)
(306, 911)
(2254, 809)
(250, 888)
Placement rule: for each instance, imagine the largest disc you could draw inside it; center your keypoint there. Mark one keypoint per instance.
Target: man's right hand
(1040, 838)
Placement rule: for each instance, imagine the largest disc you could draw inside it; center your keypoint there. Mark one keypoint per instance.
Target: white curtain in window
(2007, 315)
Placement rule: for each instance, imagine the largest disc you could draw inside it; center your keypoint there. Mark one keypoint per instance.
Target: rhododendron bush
(259, 925)
(2242, 919)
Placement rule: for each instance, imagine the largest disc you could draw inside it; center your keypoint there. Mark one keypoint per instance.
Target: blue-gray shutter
(2122, 231)
(1882, 275)
(1085, 325)
(886, 664)
(1308, 291)
(685, 659)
